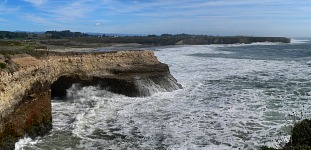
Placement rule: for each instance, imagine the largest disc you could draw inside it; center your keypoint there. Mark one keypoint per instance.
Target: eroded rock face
(31, 116)
(25, 94)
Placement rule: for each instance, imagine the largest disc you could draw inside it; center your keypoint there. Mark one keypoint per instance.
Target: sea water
(238, 96)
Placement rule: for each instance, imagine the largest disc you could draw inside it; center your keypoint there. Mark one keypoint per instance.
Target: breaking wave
(227, 102)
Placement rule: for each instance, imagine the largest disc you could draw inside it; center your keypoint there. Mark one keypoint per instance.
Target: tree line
(12, 35)
(49, 34)
(65, 34)
(164, 39)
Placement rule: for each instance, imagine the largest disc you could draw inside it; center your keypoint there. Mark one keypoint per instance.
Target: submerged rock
(300, 137)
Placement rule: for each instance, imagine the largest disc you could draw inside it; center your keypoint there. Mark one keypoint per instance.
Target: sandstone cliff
(26, 91)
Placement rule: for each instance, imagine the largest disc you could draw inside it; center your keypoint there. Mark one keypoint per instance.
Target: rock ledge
(25, 92)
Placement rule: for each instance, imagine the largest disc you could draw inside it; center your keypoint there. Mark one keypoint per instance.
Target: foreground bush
(2, 66)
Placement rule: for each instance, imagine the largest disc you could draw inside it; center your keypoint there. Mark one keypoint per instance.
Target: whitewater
(239, 96)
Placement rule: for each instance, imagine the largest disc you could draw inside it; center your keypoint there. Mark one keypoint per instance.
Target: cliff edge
(26, 87)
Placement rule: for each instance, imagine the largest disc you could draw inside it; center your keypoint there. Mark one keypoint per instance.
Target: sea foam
(225, 103)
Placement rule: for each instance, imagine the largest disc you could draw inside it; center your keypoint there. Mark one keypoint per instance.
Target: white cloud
(166, 14)
(2, 20)
(37, 2)
(5, 9)
(108, 1)
(69, 10)
(98, 24)
(36, 19)
(3, 2)
(44, 22)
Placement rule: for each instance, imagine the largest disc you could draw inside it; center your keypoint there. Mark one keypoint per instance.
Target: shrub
(2, 65)
(6, 55)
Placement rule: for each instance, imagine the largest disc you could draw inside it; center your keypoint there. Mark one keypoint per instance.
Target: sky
(291, 18)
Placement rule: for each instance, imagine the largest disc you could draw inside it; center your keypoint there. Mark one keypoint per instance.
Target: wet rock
(300, 138)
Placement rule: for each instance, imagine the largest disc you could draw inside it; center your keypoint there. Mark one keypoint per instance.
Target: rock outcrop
(25, 92)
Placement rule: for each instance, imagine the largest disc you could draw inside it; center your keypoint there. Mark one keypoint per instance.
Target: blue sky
(213, 17)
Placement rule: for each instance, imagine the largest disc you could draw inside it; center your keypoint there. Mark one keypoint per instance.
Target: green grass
(11, 43)
(8, 48)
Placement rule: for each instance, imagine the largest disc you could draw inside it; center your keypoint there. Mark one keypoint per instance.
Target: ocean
(239, 96)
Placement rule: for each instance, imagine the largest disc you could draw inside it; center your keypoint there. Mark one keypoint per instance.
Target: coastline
(28, 84)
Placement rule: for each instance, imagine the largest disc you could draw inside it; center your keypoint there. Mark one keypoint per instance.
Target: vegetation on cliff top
(12, 47)
(12, 43)
(12, 35)
(19, 43)
(164, 39)
(2, 65)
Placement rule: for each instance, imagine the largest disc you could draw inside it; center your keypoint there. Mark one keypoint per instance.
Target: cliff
(232, 40)
(27, 87)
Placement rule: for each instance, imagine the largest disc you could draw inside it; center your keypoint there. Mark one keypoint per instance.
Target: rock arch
(25, 104)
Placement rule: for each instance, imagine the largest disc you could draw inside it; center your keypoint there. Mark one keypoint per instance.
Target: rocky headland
(33, 71)
(28, 83)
